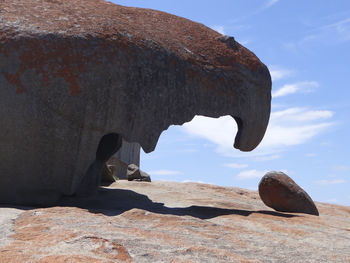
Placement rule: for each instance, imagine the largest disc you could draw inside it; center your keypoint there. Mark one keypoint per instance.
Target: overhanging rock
(74, 71)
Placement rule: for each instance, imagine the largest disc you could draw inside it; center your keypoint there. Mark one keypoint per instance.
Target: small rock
(280, 192)
(134, 173)
(107, 174)
(230, 41)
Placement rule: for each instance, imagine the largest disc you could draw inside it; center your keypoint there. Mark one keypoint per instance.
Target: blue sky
(305, 44)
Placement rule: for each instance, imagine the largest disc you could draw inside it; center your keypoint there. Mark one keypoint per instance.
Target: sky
(306, 46)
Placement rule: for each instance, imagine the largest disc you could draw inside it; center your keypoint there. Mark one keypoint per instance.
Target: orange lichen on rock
(47, 61)
(40, 232)
(15, 80)
(41, 25)
(71, 259)
(127, 223)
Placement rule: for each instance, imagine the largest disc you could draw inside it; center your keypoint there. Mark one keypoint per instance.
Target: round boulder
(278, 191)
(135, 173)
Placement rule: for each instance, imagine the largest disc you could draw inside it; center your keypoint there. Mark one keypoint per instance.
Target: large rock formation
(172, 222)
(74, 71)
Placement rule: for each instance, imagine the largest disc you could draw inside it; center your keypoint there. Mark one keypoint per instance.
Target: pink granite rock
(172, 222)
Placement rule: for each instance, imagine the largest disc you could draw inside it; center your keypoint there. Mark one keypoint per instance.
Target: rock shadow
(112, 202)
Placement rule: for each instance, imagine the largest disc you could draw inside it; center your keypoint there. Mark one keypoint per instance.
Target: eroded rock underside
(172, 222)
(74, 71)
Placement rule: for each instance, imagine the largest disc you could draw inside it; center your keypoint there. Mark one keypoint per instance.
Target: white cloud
(294, 126)
(301, 43)
(219, 29)
(277, 106)
(243, 42)
(251, 174)
(341, 168)
(164, 172)
(287, 127)
(332, 33)
(302, 87)
(236, 165)
(300, 115)
(332, 200)
(220, 131)
(270, 3)
(198, 182)
(278, 73)
(341, 28)
(328, 182)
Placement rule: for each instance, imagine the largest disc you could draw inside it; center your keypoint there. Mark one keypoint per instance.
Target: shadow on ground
(113, 202)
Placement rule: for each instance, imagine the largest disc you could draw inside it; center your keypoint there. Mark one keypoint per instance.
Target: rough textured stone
(129, 153)
(280, 192)
(74, 71)
(108, 171)
(135, 173)
(6, 223)
(120, 166)
(174, 222)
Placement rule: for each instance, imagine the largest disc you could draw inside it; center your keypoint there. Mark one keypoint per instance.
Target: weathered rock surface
(107, 174)
(74, 71)
(278, 191)
(120, 167)
(173, 222)
(116, 166)
(129, 153)
(135, 173)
